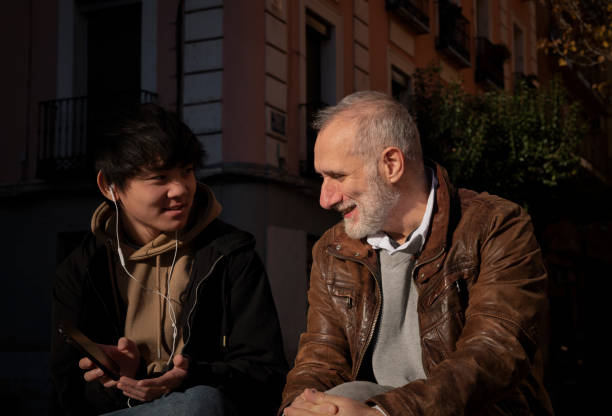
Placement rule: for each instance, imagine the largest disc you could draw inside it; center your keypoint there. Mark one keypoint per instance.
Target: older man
(426, 299)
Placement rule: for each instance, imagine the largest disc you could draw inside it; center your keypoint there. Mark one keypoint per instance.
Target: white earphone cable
(157, 292)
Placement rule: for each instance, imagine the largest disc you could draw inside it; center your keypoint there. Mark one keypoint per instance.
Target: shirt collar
(415, 241)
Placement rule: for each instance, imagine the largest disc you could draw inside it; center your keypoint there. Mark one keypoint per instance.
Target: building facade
(247, 76)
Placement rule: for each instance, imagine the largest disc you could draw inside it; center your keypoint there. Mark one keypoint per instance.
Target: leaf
(562, 62)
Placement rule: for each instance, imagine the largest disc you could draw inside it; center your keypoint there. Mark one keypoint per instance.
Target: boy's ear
(104, 187)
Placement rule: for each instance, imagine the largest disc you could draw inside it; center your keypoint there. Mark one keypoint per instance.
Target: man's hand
(314, 403)
(125, 354)
(305, 404)
(152, 388)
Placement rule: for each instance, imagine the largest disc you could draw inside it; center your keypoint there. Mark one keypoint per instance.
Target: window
(400, 86)
(320, 77)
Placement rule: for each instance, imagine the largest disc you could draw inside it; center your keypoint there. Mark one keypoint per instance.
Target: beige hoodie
(148, 320)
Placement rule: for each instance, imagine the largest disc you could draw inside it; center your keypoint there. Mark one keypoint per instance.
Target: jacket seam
(505, 319)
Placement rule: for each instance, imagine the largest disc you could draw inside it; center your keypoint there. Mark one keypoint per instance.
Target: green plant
(515, 144)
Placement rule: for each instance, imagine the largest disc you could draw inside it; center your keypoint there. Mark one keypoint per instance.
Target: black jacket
(230, 326)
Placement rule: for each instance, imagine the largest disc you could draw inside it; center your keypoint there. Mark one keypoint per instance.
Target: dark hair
(148, 138)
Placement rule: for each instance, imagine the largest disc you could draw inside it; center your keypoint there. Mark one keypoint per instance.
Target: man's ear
(393, 164)
(104, 187)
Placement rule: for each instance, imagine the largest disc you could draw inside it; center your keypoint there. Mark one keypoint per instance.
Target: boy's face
(156, 201)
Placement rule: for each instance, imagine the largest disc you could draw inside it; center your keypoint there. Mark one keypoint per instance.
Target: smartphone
(90, 349)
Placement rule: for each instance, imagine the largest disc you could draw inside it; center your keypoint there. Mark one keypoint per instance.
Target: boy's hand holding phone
(151, 388)
(125, 354)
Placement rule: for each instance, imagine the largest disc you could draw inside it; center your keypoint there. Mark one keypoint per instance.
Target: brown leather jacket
(482, 312)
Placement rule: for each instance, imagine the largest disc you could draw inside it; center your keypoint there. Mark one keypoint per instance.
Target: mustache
(344, 206)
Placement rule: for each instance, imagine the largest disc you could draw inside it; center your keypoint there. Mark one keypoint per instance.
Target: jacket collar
(438, 235)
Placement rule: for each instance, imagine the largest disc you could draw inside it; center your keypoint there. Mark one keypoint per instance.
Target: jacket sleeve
(252, 364)
(499, 341)
(322, 361)
(72, 395)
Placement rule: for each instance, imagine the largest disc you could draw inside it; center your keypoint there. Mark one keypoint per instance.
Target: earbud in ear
(112, 193)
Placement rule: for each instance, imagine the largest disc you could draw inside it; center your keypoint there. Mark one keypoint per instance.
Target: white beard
(373, 209)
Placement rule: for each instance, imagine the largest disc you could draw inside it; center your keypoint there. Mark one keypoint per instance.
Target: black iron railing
(64, 131)
(413, 12)
(454, 38)
(490, 62)
(62, 136)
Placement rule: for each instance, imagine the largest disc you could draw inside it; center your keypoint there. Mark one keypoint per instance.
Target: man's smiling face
(350, 185)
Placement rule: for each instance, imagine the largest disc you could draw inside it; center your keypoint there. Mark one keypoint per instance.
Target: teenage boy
(177, 298)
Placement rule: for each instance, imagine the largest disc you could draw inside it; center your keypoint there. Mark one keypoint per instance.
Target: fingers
(298, 399)
(123, 343)
(311, 402)
(127, 345)
(171, 379)
(136, 390)
(152, 388)
(312, 395)
(93, 372)
(181, 362)
(317, 397)
(108, 382)
(160, 381)
(320, 408)
(128, 348)
(92, 375)
(297, 411)
(86, 364)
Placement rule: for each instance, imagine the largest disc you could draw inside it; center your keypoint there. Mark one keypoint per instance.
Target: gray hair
(381, 122)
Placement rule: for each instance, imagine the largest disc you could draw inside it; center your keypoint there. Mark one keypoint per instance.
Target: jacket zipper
(414, 269)
(374, 321)
(197, 289)
(376, 316)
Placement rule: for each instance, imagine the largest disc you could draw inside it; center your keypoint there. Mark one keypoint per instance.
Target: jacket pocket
(343, 296)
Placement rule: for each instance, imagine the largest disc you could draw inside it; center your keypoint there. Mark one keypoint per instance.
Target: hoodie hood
(205, 209)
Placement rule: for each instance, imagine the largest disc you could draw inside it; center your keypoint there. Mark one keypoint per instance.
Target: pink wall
(243, 121)
(293, 90)
(166, 53)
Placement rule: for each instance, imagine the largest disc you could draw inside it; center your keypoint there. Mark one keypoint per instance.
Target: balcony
(490, 62)
(65, 127)
(413, 12)
(454, 38)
